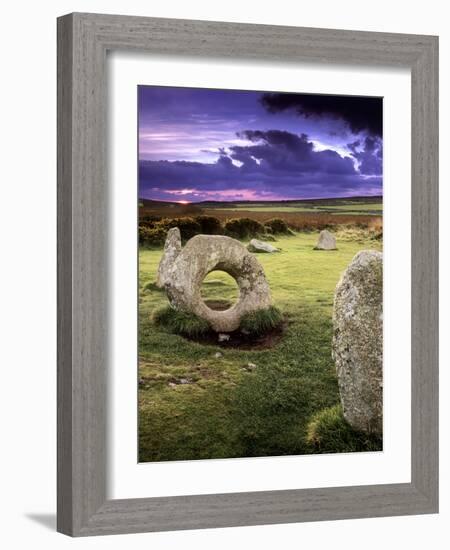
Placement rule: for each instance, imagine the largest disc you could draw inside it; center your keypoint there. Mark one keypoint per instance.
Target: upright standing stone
(326, 241)
(358, 341)
(172, 247)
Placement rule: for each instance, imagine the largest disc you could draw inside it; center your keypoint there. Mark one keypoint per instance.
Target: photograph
(260, 273)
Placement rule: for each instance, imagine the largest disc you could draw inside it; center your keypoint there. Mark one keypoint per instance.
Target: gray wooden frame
(83, 40)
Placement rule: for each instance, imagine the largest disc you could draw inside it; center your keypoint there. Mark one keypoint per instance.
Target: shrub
(376, 229)
(243, 228)
(188, 227)
(329, 432)
(209, 225)
(277, 226)
(180, 322)
(261, 321)
(267, 237)
(149, 220)
(151, 237)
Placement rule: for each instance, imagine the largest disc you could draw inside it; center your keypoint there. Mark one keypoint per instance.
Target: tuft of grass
(329, 432)
(151, 286)
(180, 322)
(261, 321)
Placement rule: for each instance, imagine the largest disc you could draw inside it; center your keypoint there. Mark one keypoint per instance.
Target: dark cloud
(283, 151)
(369, 155)
(360, 113)
(274, 161)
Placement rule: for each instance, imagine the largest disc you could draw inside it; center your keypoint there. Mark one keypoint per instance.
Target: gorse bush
(243, 228)
(189, 227)
(277, 226)
(261, 321)
(149, 220)
(153, 230)
(151, 237)
(209, 225)
(329, 432)
(152, 234)
(268, 237)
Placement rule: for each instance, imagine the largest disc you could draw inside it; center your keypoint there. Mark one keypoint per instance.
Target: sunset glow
(226, 145)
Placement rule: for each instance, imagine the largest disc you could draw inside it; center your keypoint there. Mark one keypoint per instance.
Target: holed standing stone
(203, 254)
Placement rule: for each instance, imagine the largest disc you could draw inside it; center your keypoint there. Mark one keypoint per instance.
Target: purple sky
(201, 144)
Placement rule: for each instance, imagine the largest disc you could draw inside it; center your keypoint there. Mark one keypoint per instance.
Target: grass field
(355, 208)
(193, 405)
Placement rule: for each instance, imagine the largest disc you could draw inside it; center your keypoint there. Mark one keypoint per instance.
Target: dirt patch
(239, 340)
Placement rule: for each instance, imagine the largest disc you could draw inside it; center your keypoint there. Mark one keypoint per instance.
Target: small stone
(249, 367)
(185, 381)
(326, 241)
(172, 384)
(218, 355)
(260, 246)
(223, 337)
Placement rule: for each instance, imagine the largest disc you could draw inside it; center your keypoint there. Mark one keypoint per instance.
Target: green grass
(261, 321)
(180, 322)
(328, 432)
(350, 208)
(193, 405)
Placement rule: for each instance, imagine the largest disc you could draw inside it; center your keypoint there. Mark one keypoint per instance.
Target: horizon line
(268, 200)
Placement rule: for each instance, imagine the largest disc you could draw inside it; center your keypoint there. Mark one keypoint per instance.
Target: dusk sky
(202, 144)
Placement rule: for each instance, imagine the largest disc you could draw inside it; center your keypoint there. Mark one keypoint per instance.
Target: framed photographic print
(247, 268)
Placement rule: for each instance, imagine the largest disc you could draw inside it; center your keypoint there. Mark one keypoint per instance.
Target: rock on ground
(172, 247)
(358, 341)
(203, 254)
(260, 246)
(326, 241)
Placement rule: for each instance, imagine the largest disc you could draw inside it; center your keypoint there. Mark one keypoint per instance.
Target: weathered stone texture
(172, 248)
(358, 341)
(203, 254)
(256, 246)
(326, 241)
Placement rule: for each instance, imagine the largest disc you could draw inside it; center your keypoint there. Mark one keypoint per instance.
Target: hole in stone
(219, 291)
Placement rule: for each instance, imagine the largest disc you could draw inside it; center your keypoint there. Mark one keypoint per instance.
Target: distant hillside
(149, 203)
(149, 207)
(350, 206)
(332, 200)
